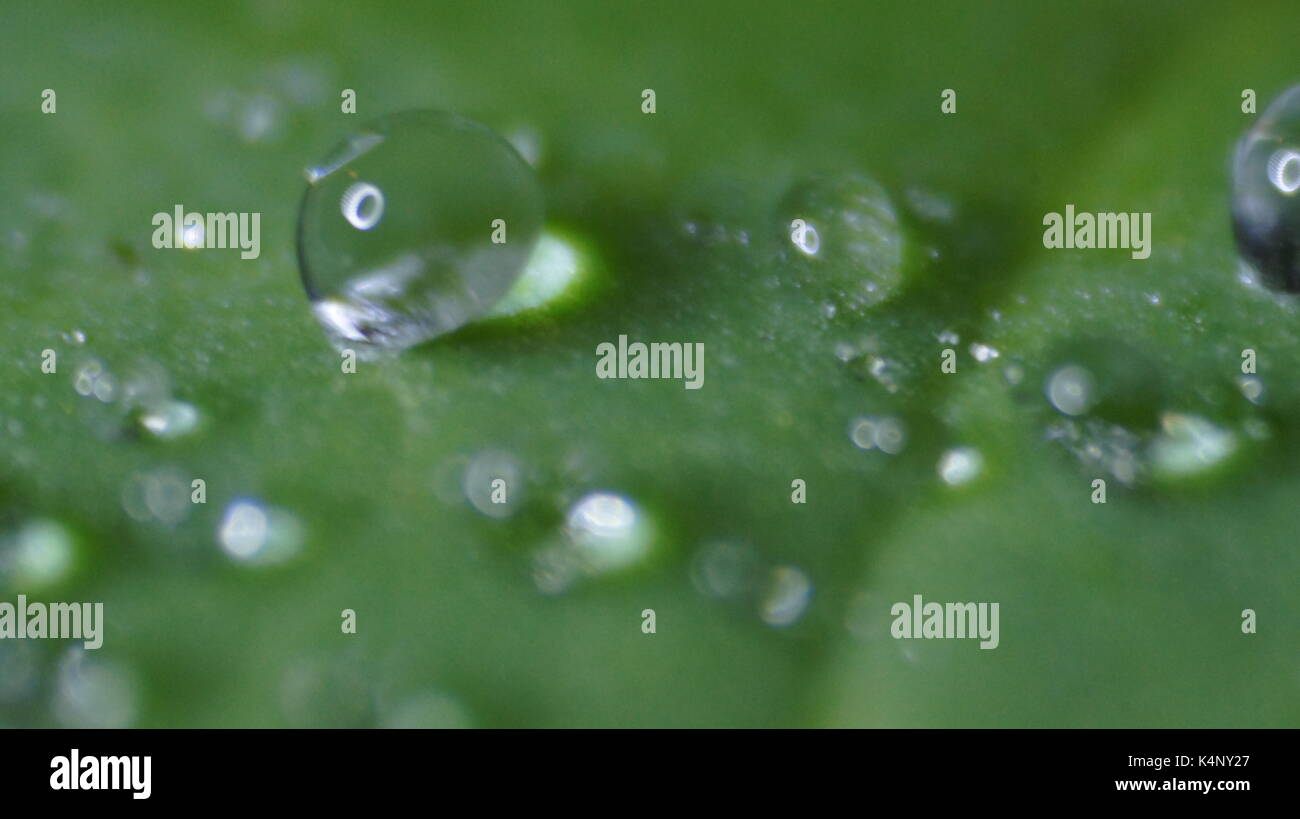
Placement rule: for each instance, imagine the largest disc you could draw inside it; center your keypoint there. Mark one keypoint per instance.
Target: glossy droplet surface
(844, 239)
(1266, 193)
(398, 235)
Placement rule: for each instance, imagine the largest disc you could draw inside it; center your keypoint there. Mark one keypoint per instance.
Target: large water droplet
(1265, 184)
(398, 238)
(846, 231)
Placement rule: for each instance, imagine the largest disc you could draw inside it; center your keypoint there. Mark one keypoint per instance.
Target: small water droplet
(724, 569)
(983, 352)
(607, 531)
(1188, 445)
(161, 495)
(492, 499)
(93, 380)
(255, 534)
(38, 554)
(1251, 387)
(878, 432)
(960, 465)
(1070, 390)
(75, 337)
(94, 693)
(171, 420)
(788, 594)
(427, 709)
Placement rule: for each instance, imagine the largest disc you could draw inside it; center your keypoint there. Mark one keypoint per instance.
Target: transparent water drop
(93, 380)
(1070, 390)
(38, 554)
(1189, 445)
(888, 434)
(1251, 387)
(193, 236)
(94, 693)
(846, 230)
(255, 534)
(170, 420)
(75, 337)
(397, 226)
(161, 495)
(427, 709)
(608, 531)
(1265, 188)
(862, 433)
(983, 353)
(960, 465)
(603, 533)
(482, 490)
(788, 594)
(724, 569)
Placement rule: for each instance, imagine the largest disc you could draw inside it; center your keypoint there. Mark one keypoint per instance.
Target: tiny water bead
(960, 465)
(413, 227)
(255, 534)
(39, 554)
(1265, 184)
(788, 593)
(604, 533)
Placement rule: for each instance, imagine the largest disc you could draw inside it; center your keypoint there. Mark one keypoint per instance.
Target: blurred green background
(768, 613)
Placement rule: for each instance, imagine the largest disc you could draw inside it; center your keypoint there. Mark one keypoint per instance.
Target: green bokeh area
(1123, 614)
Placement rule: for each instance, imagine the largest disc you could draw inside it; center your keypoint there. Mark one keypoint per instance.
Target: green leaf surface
(1122, 614)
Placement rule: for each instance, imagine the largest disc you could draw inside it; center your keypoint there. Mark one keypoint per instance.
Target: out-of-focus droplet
(493, 483)
(1188, 446)
(95, 693)
(38, 554)
(92, 380)
(983, 353)
(170, 420)
(608, 531)
(1070, 390)
(960, 465)
(427, 709)
(255, 534)
(788, 593)
(724, 569)
(161, 495)
(1252, 388)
